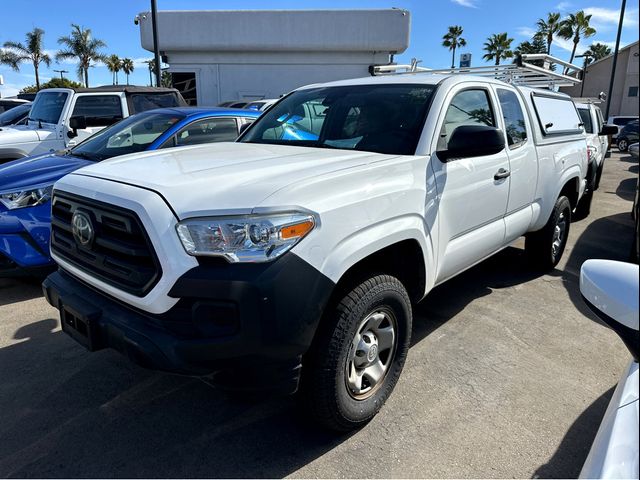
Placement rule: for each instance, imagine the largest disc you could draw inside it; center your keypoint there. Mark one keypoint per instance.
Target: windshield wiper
(39, 120)
(83, 155)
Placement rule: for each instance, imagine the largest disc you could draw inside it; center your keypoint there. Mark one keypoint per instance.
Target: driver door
(473, 192)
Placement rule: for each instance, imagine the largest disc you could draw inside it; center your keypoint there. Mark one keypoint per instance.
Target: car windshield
(133, 134)
(16, 113)
(375, 118)
(48, 106)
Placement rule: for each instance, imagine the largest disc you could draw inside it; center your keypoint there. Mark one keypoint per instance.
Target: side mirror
(608, 130)
(610, 290)
(77, 123)
(473, 141)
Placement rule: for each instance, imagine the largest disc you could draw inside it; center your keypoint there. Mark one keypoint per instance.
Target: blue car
(26, 184)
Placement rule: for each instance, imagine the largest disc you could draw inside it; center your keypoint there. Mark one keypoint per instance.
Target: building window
(633, 91)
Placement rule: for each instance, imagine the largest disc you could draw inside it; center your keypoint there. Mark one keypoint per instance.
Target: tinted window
(633, 91)
(209, 130)
(557, 115)
(622, 121)
(15, 114)
(631, 128)
(469, 107)
(381, 118)
(141, 102)
(133, 134)
(513, 118)
(585, 115)
(48, 106)
(99, 110)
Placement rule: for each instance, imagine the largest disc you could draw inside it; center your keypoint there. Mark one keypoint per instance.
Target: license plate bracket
(81, 323)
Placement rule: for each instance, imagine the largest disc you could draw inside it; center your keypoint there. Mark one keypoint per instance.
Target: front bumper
(247, 324)
(24, 240)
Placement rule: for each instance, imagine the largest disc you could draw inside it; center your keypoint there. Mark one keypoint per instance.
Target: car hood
(220, 177)
(18, 134)
(37, 170)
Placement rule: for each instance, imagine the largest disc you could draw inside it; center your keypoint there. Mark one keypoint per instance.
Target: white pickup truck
(291, 259)
(63, 117)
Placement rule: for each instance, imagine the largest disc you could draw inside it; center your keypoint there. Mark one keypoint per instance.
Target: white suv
(292, 258)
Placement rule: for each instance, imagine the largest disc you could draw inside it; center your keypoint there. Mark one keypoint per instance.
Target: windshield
(16, 113)
(375, 118)
(133, 134)
(48, 106)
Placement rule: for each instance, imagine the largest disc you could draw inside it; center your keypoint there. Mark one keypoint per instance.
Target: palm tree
(596, 51)
(32, 51)
(81, 45)
(548, 28)
(452, 40)
(576, 26)
(498, 47)
(127, 67)
(114, 64)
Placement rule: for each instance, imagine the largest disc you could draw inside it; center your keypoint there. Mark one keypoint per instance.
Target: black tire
(623, 144)
(539, 246)
(583, 209)
(324, 390)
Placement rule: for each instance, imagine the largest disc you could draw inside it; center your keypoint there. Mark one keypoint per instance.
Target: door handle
(502, 173)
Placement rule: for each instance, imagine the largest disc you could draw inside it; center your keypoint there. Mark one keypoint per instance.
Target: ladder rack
(521, 72)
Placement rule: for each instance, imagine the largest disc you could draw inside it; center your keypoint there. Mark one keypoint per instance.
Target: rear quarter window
(141, 102)
(556, 115)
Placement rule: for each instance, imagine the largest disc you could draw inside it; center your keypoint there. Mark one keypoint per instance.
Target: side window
(585, 115)
(468, 107)
(209, 130)
(99, 110)
(513, 118)
(141, 102)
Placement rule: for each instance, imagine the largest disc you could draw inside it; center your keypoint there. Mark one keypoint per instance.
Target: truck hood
(38, 170)
(210, 179)
(21, 134)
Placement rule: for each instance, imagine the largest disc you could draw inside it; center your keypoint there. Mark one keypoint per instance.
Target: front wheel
(546, 246)
(358, 355)
(623, 145)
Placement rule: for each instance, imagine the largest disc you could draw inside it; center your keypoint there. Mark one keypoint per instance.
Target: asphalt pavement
(509, 375)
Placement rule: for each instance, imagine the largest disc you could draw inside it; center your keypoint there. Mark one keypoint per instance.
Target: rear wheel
(358, 356)
(546, 246)
(623, 145)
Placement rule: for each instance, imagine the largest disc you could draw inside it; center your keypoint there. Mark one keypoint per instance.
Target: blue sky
(112, 21)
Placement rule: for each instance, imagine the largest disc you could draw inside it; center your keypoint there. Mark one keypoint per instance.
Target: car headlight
(254, 238)
(26, 197)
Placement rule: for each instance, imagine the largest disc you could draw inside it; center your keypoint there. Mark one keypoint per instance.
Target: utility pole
(615, 60)
(156, 52)
(586, 57)
(61, 72)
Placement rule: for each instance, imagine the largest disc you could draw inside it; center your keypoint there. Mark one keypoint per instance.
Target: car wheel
(358, 354)
(623, 145)
(546, 246)
(599, 174)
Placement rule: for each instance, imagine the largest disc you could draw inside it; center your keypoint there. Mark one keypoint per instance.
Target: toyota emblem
(82, 229)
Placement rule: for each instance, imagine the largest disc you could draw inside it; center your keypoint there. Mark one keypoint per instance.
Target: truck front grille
(115, 248)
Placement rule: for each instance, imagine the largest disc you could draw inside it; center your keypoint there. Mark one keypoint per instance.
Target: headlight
(256, 238)
(28, 197)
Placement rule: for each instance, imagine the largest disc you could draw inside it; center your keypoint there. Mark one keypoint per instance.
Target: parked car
(63, 117)
(233, 104)
(285, 263)
(633, 149)
(620, 121)
(610, 289)
(7, 104)
(16, 115)
(597, 145)
(25, 184)
(261, 105)
(628, 135)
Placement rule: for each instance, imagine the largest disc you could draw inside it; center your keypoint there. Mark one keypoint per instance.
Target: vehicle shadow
(18, 290)
(567, 461)
(98, 415)
(627, 189)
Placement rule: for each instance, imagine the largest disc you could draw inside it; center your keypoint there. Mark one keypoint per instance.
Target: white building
(215, 56)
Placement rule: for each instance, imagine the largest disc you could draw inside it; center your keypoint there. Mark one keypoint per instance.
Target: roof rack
(521, 72)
